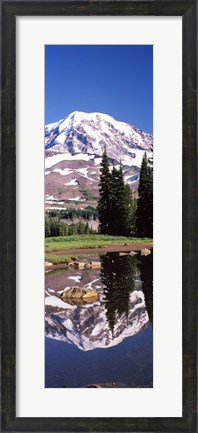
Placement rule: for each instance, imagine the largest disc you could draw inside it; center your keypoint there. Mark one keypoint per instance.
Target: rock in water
(48, 264)
(79, 265)
(107, 385)
(93, 265)
(76, 295)
(145, 252)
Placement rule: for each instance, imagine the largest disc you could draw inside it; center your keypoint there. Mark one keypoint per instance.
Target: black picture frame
(9, 11)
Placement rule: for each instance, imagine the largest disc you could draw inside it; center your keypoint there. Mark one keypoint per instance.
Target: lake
(107, 342)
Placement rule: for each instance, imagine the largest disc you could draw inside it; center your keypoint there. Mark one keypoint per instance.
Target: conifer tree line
(144, 214)
(120, 212)
(55, 227)
(88, 213)
(55, 224)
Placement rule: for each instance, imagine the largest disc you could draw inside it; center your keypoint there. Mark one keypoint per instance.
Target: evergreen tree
(103, 203)
(116, 207)
(121, 205)
(124, 205)
(145, 200)
(87, 228)
(81, 228)
(114, 202)
(47, 228)
(133, 214)
(129, 215)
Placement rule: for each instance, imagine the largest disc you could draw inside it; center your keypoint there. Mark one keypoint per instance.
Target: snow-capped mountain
(87, 327)
(74, 147)
(88, 133)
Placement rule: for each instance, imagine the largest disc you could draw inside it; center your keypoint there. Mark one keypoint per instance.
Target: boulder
(80, 295)
(145, 252)
(87, 265)
(79, 265)
(107, 385)
(123, 254)
(95, 265)
(47, 264)
(132, 253)
(79, 302)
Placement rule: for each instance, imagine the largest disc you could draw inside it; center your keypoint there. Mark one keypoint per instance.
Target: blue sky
(111, 79)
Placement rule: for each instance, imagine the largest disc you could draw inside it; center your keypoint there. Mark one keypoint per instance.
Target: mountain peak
(93, 116)
(91, 132)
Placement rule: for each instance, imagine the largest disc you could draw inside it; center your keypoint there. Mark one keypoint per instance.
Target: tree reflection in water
(146, 272)
(117, 275)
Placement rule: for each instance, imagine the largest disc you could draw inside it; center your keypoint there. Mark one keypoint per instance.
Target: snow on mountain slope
(77, 143)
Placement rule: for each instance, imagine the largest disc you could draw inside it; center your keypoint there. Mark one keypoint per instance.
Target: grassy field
(88, 241)
(56, 259)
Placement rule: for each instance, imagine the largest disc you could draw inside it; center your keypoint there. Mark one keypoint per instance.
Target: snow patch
(89, 285)
(54, 201)
(97, 329)
(82, 156)
(137, 160)
(68, 324)
(55, 159)
(57, 302)
(76, 278)
(82, 170)
(97, 161)
(49, 197)
(74, 199)
(63, 172)
(72, 182)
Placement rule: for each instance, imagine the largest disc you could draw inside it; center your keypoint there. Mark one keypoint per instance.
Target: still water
(109, 341)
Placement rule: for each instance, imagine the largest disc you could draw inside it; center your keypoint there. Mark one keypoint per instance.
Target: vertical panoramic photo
(98, 216)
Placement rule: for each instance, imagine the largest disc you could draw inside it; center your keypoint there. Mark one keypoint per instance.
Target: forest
(121, 212)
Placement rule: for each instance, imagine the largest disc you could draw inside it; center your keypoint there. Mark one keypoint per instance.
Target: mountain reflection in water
(120, 310)
(124, 306)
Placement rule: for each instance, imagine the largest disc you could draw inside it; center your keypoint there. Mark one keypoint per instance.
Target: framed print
(111, 89)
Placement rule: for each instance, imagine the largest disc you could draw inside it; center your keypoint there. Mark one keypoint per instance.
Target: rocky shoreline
(143, 249)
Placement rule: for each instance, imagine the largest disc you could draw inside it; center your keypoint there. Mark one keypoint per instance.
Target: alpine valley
(73, 151)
